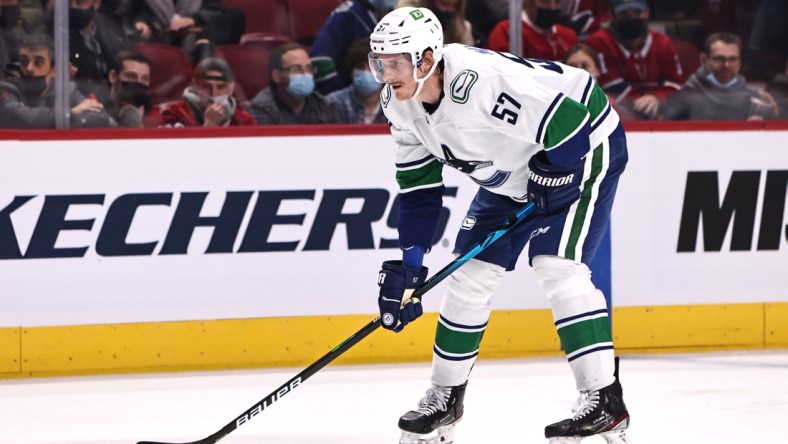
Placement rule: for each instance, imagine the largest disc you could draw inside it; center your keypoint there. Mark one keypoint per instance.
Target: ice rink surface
(739, 397)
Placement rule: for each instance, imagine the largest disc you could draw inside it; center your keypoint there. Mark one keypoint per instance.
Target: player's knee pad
(562, 278)
(469, 292)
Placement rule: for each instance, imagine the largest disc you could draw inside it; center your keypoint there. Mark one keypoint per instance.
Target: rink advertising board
(268, 227)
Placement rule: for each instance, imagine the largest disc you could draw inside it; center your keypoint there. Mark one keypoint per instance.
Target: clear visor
(389, 66)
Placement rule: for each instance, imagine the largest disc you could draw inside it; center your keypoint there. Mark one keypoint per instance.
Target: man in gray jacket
(29, 102)
(717, 91)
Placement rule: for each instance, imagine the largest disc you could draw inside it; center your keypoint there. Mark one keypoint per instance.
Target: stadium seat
(265, 15)
(308, 17)
(171, 70)
(250, 67)
(689, 56)
(265, 40)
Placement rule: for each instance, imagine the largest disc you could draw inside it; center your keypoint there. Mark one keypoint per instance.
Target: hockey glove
(396, 284)
(552, 188)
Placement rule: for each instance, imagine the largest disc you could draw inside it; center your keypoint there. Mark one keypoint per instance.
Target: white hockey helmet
(408, 31)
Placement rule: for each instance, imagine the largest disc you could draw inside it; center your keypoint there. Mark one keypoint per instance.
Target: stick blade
(159, 442)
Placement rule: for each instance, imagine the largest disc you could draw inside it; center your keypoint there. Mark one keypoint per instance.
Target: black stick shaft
(348, 343)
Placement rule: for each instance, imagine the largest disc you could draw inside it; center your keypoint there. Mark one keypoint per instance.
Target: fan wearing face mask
(349, 22)
(130, 96)
(544, 35)
(639, 66)
(291, 98)
(28, 103)
(209, 102)
(359, 102)
(94, 43)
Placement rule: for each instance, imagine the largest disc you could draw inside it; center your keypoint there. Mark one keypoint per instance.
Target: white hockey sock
(463, 319)
(580, 314)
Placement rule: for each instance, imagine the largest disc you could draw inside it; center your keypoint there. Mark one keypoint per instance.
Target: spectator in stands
(209, 102)
(291, 96)
(639, 67)
(129, 90)
(451, 14)
(585, 16)
(543, 35)
(717, 91)
(584, 57)
(94, 44)
(197, 26)
(29, 102)
(348, 23)
(359, 102)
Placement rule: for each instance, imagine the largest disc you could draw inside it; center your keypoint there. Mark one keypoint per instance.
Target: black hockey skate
(599, 412)
(433, 422)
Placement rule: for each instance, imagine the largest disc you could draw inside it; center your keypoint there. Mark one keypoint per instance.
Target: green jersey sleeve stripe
(567, 120)
(427, 176)
(597, 102)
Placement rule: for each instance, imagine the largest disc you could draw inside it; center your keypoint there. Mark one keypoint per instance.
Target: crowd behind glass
(182, 63)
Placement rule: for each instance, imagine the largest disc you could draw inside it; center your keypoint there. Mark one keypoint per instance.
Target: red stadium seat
(250, 67)
(171, 70)
(265, 40)
(689, 56)
(265, 15)
(308, 17)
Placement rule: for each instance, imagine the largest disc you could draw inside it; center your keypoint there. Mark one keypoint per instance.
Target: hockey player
(522, 129)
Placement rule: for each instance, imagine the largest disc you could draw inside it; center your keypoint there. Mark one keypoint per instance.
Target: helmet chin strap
(420, 82)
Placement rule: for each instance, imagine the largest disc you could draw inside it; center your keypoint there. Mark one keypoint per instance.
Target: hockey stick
(298, 379)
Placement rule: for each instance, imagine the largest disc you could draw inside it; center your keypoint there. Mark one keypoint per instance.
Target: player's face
(397, 71)
(723, 61)
(583, 61)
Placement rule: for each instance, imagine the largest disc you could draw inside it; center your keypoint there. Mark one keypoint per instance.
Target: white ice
(737, 397)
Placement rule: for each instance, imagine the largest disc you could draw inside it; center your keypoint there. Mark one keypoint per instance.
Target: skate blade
(616, 437)
(566, 440)
(441, 435)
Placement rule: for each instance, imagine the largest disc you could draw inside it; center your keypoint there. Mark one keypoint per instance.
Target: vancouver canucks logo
(465, 166)
(461, 85)
(469, 166)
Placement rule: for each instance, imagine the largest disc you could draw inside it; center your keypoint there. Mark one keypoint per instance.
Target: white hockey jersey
(498, 110)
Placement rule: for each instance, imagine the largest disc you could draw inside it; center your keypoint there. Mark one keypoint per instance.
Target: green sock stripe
(459, 342)
(584, 203)
(584, 334)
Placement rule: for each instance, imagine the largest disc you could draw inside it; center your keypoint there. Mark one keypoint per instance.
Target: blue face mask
(365, 84)
(382, 5)
(301, 85)
(717, 83)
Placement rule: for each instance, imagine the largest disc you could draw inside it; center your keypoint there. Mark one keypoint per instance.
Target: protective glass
(393, 67)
